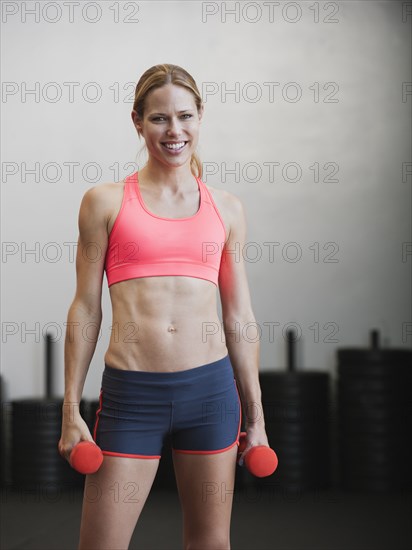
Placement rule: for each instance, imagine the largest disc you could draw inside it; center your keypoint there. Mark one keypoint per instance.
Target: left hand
(255, 435)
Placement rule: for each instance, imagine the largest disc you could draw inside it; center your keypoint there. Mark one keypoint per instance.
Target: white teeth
(174, 145)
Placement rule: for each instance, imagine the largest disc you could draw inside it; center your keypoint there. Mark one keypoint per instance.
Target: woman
(166, 242)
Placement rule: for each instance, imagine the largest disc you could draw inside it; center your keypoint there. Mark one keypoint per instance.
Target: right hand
(74, 430)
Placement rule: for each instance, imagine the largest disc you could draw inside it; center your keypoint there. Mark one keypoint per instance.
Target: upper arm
(233, 283)
(91, 248)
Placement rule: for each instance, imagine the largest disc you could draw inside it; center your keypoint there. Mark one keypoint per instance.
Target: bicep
(233, 283)
(91, 249)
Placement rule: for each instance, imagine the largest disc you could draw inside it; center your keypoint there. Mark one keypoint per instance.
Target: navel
(172, 328)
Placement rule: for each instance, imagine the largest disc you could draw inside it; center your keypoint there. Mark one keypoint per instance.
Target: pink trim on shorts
(126, 455)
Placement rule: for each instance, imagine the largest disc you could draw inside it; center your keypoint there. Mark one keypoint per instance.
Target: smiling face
(170, 125)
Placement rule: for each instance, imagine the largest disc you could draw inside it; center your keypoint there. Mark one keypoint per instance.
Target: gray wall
(340, 237)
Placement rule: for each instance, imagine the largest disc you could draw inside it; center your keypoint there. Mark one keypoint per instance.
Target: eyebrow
(165, 114)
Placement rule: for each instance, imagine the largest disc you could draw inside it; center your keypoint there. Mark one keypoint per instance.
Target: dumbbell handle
(86, 457)
(260, 460)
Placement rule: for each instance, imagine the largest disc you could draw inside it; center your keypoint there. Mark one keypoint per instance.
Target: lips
(174, 146)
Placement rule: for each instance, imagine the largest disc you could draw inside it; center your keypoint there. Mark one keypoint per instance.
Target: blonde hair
(158, 76)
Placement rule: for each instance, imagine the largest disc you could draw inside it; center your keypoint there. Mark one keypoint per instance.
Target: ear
(137, 122)
(200, 112)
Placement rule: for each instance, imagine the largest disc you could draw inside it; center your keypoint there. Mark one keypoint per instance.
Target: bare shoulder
(105, 192)
(102, 200)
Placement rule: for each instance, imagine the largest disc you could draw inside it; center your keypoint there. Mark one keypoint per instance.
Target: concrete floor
(263, 520)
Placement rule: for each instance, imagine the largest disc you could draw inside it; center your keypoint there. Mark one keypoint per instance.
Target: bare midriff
(164, 324)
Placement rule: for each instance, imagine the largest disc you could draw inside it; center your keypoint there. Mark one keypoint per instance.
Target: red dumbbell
(86, 457)
(261, 461)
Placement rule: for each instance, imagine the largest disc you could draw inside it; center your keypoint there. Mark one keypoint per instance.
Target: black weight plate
(293, 441)
(356, 451)
(310, 463)
(297, 489)
(38, 457)
(392, 399)
(377, 486)
(280, 408)
(374, 472)
(302, 476)
(367, 461)
(45, 486)
(35, 441)
(375, 399)
(23, 429)
(362, 383)
(46, 459)
(300, 429)
(396, 419)
(377, 460)
(21, 432)
(307, 399)
(371, 475)
(54, 476)
(309, 381)
(391, 416)
(20, 437)
(306, 445)
(355, 407)
(366, 428)
(51, 475)
(293, 414)
(41, 425)
(387, 373)
(288, 455)
(400, 416)
(301, 450)
(367, 456)
(371, 441)
(379, 431)
(360, 479)
(375, 469)
(303, 424)
(377, 445)
(355, 356)
(320, 406)
(304, 427)
(380, 414)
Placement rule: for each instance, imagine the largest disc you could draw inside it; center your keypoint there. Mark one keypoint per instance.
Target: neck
(162, 176)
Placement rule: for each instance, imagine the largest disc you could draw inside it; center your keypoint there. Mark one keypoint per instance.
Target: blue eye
(162, 118)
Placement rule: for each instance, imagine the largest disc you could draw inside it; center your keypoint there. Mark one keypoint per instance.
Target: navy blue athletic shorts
(200, 408)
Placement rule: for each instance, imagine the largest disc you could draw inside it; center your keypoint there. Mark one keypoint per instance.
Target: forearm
(82, 333)
(244, 349)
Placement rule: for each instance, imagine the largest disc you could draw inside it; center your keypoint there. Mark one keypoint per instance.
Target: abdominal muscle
(164, 324)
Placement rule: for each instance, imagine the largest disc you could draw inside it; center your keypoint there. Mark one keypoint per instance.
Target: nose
(174, 127)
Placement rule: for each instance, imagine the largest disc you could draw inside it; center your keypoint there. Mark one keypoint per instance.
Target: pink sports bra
(142, 244)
